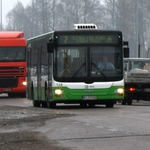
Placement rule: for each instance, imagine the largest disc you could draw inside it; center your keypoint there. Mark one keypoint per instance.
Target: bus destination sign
(88, 39)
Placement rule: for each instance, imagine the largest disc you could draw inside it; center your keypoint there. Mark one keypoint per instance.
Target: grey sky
(7, 5)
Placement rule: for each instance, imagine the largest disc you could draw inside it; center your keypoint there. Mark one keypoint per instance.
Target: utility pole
(113, 17)
(33, 12)
(1, 16)
(66, 14)
(137, 30)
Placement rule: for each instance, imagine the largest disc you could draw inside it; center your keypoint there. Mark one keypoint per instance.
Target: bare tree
(42, 16)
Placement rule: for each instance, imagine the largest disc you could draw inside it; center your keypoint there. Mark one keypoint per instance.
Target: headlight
(120, 91)
(58, 92)
(24, 83)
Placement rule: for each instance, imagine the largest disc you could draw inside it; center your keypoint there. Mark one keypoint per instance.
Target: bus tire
(51, 104)
(32, 93)
(44, 104)
(91, 105)
(36, 103)
(110, 104)
(48, 104)
(83, 104)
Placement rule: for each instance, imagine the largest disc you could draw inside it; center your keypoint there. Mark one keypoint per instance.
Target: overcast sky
(7, 5)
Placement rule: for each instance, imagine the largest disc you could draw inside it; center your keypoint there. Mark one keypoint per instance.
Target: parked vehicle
(137, 79)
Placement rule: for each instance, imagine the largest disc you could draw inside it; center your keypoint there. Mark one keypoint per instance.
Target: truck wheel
(124, 102)
(129, 102)
(11, 95)
(22, 95)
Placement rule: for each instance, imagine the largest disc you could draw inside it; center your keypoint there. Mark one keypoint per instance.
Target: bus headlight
(119, 91)
(58, 92)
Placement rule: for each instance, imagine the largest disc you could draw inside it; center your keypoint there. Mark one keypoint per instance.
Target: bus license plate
(89, 98)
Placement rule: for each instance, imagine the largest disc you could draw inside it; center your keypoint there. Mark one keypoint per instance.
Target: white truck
(137, 79)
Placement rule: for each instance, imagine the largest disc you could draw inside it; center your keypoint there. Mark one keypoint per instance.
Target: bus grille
(10, 82)
(11, 71)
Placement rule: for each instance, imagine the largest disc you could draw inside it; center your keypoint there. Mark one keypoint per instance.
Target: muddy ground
(19, 128)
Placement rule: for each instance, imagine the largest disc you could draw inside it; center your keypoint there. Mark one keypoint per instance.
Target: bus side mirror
(126, 52)
(126, 49)
(49, 47)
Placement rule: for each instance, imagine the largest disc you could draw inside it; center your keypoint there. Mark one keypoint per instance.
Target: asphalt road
(120, 128)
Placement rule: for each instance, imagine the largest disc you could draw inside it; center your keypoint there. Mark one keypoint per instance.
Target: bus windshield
(86, 64)
(12, 54)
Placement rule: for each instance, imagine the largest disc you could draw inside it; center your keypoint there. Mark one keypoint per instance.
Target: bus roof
(40, 36)
(85, 26)
(11, 34)
(70, 31)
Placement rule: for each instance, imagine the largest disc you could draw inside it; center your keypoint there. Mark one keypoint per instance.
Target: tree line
(132, 17)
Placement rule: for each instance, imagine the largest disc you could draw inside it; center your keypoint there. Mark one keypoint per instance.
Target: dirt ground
(19, 128)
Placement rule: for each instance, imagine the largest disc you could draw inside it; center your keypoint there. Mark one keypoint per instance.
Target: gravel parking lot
(19, 128)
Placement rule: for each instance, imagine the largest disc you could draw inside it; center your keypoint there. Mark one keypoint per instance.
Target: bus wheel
(83, 104)
(32, 93)
(51, 104)
(91, 105)
(44, 104)
(36, 103)
(110, 104)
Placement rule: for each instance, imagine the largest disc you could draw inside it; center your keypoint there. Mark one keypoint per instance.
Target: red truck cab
(13, 63)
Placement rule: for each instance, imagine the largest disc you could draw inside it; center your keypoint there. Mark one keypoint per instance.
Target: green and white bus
(62, 67)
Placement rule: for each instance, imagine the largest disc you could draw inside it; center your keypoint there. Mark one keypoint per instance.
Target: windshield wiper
(99, 70)
(80, 68)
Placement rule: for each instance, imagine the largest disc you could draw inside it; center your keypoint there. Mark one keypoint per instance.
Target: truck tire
(129, 102)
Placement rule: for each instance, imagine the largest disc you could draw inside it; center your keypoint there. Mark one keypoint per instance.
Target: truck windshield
(130, 65)
(12, 54)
